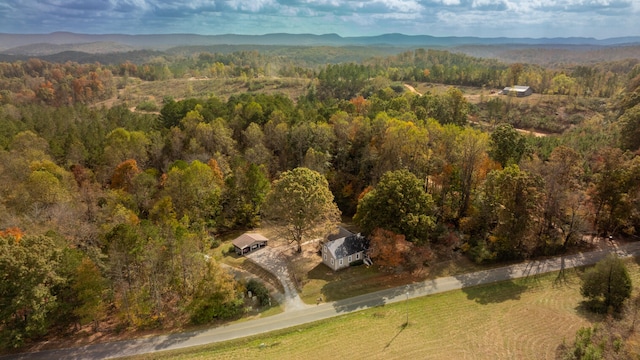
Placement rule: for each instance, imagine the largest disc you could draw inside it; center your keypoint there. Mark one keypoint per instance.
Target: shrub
(607, 285)
(147, 106)
(576, 119)
(215, 243)
(255, 86)
(204, 311)
(602, 341)
(480, 253)
(258, 289)
(397, 88)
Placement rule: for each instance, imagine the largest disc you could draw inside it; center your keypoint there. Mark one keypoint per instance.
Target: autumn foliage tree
(13, 232)
(614, 190)
(360, 104)
(123, 175)
(562, 195)
(148, 196)
(388, 249)
(508, 212)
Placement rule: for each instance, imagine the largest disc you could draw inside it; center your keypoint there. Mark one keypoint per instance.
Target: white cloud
(251, 5)
(403, 5)
(534, 18)
(449, 2)
(487, 3)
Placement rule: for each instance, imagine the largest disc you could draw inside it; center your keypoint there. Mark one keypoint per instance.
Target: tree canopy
(607, 285)
(30, 277)
(507, 145)
(131, 201)
(399, 204)
(301, 204)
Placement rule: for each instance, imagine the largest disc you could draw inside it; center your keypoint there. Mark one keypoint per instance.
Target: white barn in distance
(518, 90)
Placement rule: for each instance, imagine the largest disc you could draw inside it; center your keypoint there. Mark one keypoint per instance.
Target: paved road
(326, 310)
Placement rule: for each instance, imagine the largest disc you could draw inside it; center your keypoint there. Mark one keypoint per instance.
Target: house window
(331, 261)
(358, 256)
(349, 258)
(340, 261)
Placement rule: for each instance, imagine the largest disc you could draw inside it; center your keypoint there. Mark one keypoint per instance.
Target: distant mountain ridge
(40, 49)
(23, 44)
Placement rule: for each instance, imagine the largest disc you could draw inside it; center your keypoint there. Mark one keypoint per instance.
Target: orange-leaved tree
(123, 175)
(388, 248)
(13, 232)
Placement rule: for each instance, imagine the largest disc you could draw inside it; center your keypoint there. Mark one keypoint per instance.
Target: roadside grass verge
(318, 280)
(526, 318)
(332, 286)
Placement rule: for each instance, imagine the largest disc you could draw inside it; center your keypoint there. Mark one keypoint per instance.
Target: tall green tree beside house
(398, 204)
(301, 205)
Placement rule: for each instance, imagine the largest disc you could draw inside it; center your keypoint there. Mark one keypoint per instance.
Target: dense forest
(107, 212)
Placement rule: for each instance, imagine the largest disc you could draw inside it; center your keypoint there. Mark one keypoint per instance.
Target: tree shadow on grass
(495, 293)
(321, 272)
(378, 298)
(343, 284)
(114, 349)
(585, 310)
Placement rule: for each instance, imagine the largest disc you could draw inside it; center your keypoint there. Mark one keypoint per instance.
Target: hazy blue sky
(483, 18)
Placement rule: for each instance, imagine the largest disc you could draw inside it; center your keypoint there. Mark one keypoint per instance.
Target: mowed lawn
(520, 319)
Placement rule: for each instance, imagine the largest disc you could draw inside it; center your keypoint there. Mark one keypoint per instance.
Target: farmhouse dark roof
(342, 233)
(248, 239)
(347, 245)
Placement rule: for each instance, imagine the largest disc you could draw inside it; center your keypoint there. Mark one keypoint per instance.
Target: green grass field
(520, 319)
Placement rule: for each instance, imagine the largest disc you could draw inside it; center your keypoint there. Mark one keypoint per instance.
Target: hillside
(309, 49)
(162, 42)
(552, 54)
(112, 176)
(42, 49)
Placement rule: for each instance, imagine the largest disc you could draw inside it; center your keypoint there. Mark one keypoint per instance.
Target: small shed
(518, 90)
(249, 242)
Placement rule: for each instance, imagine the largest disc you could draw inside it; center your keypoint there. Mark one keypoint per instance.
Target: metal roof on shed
(247, 239)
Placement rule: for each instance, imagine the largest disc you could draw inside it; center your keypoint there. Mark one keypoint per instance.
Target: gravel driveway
(272, 260)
